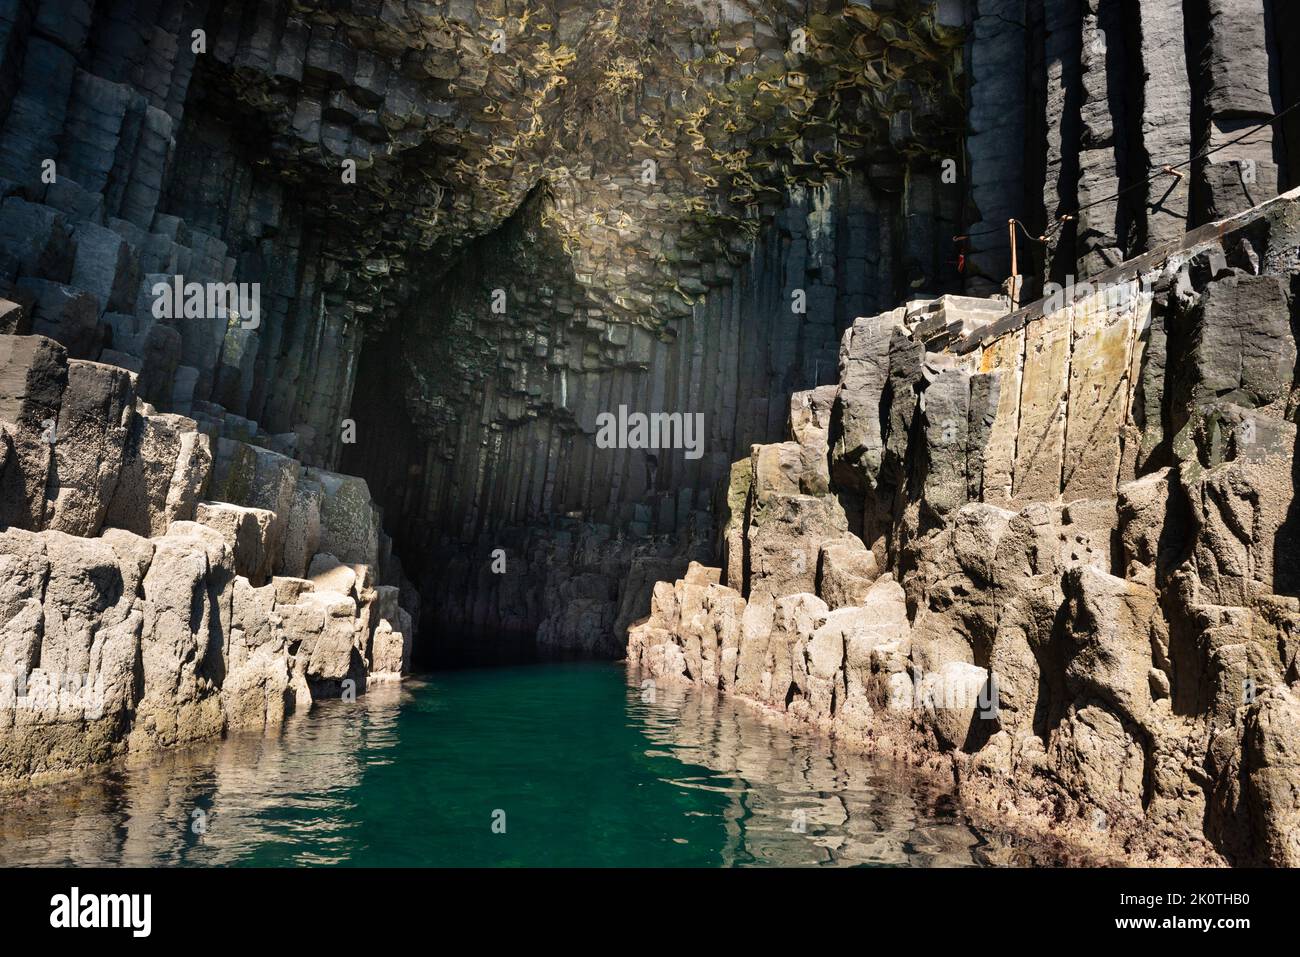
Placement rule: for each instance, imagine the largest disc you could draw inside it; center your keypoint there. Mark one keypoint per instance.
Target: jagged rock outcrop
(1079, 518)
(135, 612)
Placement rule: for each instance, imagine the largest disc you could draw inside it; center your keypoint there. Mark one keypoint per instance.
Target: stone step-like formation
(153, 596)
(1060, 556)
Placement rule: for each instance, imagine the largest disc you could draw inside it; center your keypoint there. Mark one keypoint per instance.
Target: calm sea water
(566, 758)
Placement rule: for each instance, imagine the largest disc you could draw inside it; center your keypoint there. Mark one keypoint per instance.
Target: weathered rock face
(260, 262)
(473, 227)
(476, 226)
(134, 612)
(1069, 567)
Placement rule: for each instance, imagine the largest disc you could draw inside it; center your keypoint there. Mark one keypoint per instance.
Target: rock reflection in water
(409, 775)
(856, 811)
(297, 786)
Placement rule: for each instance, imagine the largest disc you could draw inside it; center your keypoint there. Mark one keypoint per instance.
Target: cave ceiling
(656, 135)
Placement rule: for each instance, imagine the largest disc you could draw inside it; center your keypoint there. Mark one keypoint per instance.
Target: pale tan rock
(1087, 528)
(810, 415)
(1098, 393)
(796, 618)
(24, 570)
(1239, 507)
(327, 573)
(180, 700)
(1003, 357)
(335, 655)
(846, 569)
(1141, 514)
(777, 470)
(164, 471)
(246, 531)
(785, 536)
(727, 610)
(391, 654)
(1099, 761)
(977, 532)
(953, 699)
(751, 660)
(245, 474)
(1271, 763)
(697, 574)
(1040, 435)
(810, 422)
(824, 661)
(288, 590)
(1110, 641)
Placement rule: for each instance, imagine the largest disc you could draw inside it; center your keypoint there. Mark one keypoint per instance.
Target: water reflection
(852, 810)
(408, 774)
(204, 805)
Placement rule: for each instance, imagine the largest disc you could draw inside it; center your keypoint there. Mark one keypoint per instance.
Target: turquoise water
(548, 765)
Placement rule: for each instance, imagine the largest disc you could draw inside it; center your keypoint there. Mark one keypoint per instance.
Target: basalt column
(1109, 128)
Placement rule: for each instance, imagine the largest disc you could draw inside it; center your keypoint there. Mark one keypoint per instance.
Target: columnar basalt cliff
(1053, 550)
(475, 226)
(468, 229)
(1078, 106)
(142, 607)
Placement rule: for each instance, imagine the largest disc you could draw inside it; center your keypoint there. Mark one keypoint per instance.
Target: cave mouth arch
(378, 180)
(474, 428)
